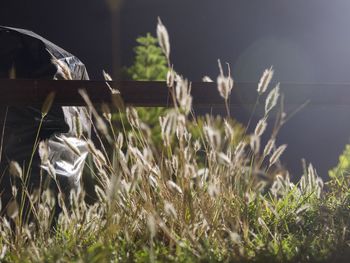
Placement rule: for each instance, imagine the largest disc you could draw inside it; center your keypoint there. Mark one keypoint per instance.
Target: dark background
(305, 41)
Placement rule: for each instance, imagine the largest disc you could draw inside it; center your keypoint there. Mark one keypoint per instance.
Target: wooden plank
(151, 93)
(136, 93)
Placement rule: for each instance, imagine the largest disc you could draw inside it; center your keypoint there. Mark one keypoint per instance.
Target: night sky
(305, 41)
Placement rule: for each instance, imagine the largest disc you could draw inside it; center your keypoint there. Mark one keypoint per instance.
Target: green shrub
(149, 63)
(341, 173)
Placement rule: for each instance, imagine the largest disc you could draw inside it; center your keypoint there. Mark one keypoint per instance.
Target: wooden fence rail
(151, 93)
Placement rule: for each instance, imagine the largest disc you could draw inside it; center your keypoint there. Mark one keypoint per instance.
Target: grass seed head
(225, 83)
(106, 76)
(277, 154)
(170, 210)
(223, 159)
(255, 144)
(170, 78)
(163, 38)
(12, 209)
(239, 150)
(173, 187)
(272, 98)
(212, 136)
(269, 147)
(48, 103)
(213, 190)
(69, 142)
(63, 70)
(260, 127)
(15, 169)
(207, 79)
(133, 117)
(265, 80)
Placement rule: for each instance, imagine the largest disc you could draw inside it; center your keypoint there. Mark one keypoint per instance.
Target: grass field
(209, 192)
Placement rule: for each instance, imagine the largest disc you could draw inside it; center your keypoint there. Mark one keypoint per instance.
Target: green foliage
(150, 63)
(342, 171)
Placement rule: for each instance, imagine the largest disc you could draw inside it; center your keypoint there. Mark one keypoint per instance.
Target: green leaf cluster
(150, 63)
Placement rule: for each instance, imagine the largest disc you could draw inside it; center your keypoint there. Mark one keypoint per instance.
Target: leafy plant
(341, 172)
(150, 62)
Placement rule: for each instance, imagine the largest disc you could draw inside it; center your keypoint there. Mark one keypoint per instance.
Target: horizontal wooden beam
(152, 93)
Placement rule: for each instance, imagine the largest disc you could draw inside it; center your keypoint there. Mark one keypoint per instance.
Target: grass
(209, 193)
